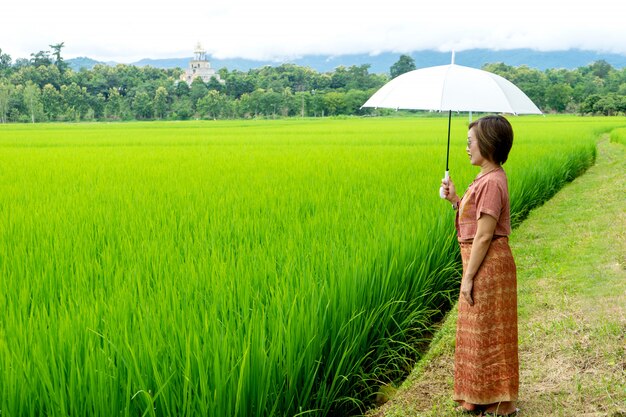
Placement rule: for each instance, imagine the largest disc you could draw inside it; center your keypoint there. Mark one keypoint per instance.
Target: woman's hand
(449, 190)
(467, 284)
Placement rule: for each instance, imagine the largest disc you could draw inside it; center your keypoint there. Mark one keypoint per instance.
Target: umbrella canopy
(452, 88)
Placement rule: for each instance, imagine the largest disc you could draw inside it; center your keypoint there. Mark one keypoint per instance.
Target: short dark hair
(495, 137)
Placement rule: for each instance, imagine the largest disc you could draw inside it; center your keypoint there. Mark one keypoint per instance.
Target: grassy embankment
(571, 258)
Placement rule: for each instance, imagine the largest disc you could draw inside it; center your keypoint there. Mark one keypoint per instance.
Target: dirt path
(571, 258)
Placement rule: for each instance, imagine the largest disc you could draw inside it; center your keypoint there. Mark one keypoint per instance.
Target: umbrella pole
(447, 174)
(448, 151)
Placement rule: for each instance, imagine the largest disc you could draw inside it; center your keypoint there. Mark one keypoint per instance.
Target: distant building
(200, 66)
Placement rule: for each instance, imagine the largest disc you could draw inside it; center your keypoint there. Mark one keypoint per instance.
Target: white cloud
(128, 30)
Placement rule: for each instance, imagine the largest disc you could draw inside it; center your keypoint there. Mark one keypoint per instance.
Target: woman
(486, 376)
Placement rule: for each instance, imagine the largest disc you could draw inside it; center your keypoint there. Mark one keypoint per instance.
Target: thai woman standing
(486, 370)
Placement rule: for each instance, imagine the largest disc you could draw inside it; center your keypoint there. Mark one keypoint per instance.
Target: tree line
(44, 88)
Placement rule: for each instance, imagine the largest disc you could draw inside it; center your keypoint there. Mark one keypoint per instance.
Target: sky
(129, 30)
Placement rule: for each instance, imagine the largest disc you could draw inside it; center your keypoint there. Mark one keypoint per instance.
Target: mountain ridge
(380, 63)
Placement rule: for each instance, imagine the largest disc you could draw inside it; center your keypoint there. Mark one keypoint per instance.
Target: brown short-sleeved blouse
(488, 194)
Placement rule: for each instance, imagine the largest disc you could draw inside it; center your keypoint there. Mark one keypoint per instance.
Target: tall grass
(234, 268)
(618, 136)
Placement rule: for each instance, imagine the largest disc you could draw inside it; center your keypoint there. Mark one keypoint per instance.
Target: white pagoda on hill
(200, 66)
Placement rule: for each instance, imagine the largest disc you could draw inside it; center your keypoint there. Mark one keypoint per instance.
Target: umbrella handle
(447, 175)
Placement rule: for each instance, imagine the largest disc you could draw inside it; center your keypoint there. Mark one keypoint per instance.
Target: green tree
(76, 101)
(601, 69)
(588, 105)
(340, 78)
(270, 103)
(589, 85)
(302, 101)
(5, 63)
(198, 90)
(113, 106)
(621, 103)
(51, 101)
(56, 52)
(245, 107)
(182, 108)
(607, 105)
(160, 102)
(318, 105)
(101, 79)
(286, 90)
(182, 89)
(404, 64)
(253, 102)
(359, 78)
(211, 105)
(288, 106)
(40, 75)
(334, 103)
(354, 99)
(41, 58)
(21, 63)
(213, 84)
(32, 101)
(49, 75)
(558, 96)
(5, 94)
(142, 105)
(238, 84)
(96, 106)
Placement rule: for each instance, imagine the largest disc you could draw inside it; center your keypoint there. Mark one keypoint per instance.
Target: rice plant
(618, 136)
(258, 268)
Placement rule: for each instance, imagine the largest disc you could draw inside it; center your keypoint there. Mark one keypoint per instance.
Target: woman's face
(472, 149)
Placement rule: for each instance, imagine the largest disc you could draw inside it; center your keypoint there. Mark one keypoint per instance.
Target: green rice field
(237, 268)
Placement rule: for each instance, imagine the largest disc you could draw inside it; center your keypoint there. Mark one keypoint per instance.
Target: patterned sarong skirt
(486, 369)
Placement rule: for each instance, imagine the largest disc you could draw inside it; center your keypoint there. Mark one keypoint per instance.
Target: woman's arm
(480, 246)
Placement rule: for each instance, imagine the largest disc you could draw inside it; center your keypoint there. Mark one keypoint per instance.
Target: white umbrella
(452, 88)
